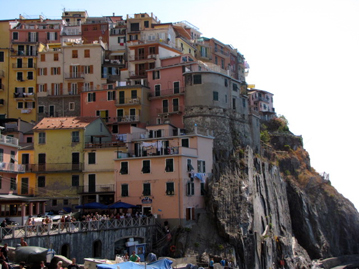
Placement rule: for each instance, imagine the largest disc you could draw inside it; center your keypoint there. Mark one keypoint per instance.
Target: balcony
(74, 75)
(56, 167)
(139, 74)
(96, 188)
(23, 53)
(142, 57)
(174, 110)
(28, 66)
(9, 140)
(166, 93)
(24, 95)
(12, 167)
(105, 144)
(129, 101)
(162, 152)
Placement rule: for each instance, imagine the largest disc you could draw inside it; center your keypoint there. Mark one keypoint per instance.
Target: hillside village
(114, 108)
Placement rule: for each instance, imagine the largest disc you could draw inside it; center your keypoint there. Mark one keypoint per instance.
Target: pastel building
(59, 157)
(27, 37)
(261, 103)
(72, 25)
(165, 172)
(167, 86)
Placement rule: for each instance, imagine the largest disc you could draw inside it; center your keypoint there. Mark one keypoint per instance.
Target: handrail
(17, 231)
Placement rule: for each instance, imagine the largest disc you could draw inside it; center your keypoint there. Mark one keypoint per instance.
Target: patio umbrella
(93, 205)
(121, 205)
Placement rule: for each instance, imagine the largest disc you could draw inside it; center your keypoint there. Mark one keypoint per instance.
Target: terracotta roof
(64, 123)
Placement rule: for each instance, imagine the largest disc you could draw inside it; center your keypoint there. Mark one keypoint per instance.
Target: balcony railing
(74, 75)
(56, 167)
(96, 188)
(104, 144)
(15, 65)
(142, 57)
(128, 118)
(12, 167)
(141, 73)
(24, 95)
(129, 101)
(167, 92)
(9, 140)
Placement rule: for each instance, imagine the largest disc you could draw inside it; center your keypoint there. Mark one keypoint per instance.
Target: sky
(305, 52)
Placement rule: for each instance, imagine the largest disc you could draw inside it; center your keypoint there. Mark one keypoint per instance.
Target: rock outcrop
(271, 207)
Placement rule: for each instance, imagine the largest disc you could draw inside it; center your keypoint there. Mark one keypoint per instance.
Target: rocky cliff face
(272, 206)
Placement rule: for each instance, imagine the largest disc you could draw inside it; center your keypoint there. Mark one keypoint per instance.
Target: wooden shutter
(59, 69)
(91, 69)
(45, 71)
(45, 87)
(61, 86)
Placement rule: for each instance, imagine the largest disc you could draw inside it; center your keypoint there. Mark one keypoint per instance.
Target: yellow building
(59, 157)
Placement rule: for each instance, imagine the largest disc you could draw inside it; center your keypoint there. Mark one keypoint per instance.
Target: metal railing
(23, 95)
(17, 231)
(174, 109)
(129, 101)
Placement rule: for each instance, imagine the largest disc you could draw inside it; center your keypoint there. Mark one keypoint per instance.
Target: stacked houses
(100, 108)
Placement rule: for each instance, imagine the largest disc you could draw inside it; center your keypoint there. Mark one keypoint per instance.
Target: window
(111, 95)
(20, 105)
(176, 88)
(244, 102)
(197, 79)
(74, 54)
(152, 50)
(41, 109)
(201, 166)
(169, 165)
(124, 168)
(91, 97)
(146, 24)
(170, 188)
(226, 82)
(30, 89)
(12, 183)
(190, 188)
(42, 137)
(42, 58)
(54, 202)
(124, 190)
(1, 155)
(75, 180)
(56, 57)
(235, 87)
(185, 142)
(66, 201)
(15, 35)
(146, 166)
(156, 74)
(92, 157)
(19, 76)
(71, 106)
(76, 136)
(146, 189)
(157, 90)
(189, 165)
(88, 69)
(87, 53)
(234, 106)
(215, 96)
(55, 71)
(2, 56)
(30, 75)
(41, 182)
(28, 139)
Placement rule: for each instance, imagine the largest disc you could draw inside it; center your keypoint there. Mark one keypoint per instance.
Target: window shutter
(82, 69)
(94, 99)
(91, 69)
(59, 69)
(37, 87)
(69, 86)
(38, 71)
(70, 70)
(45, 71)
(81, 86)
(61, 85)
(52, 88)
(188, 213)
(45, 87)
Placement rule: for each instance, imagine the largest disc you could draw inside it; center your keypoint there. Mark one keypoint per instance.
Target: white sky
(305, 52)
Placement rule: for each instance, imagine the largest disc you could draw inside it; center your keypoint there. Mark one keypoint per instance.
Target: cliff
(270, 206)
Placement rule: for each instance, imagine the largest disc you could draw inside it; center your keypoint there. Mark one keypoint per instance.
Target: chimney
(113, 14)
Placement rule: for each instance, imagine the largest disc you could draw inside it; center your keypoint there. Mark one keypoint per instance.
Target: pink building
(165, 172)
(261, 102)
(167, 89)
